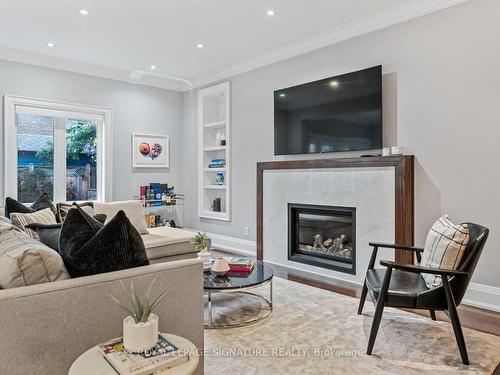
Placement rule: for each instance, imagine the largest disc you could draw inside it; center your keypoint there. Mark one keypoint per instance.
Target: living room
(216, 129)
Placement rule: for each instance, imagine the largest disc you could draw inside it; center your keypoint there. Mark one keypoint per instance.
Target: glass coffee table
(239, 283)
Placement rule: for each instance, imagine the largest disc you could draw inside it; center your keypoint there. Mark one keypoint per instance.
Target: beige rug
(314, 331)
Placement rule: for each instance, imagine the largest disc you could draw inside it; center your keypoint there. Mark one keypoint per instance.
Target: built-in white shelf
(214, 215)
(214, 126)
(216, 187)
(215, 148)
(215, 169)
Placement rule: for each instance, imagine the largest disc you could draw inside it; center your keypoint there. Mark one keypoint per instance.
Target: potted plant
(140, 327)
(201, 243)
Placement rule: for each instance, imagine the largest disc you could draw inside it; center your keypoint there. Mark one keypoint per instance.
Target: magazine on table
(162, 356)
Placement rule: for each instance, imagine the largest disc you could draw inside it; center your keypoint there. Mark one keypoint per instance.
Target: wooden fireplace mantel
(404, 192)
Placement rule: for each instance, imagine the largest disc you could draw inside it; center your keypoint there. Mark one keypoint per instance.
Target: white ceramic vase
(220, 266)
(138, 337)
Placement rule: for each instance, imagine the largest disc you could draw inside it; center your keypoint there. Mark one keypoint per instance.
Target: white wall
(441, 100)
(135, 108)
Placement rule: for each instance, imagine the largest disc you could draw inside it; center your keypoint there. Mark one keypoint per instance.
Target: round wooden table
(92, 362)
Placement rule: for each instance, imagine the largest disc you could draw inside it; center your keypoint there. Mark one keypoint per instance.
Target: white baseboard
(483, 296)
(478, 295)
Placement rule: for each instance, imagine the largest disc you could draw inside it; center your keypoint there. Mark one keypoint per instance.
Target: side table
(92, 362)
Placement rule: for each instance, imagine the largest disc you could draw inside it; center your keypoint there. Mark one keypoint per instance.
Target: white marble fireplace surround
(370, 189)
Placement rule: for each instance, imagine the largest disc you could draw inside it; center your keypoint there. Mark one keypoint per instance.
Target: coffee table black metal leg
(209, 309)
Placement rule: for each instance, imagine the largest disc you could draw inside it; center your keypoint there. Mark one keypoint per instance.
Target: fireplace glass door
(322, 236)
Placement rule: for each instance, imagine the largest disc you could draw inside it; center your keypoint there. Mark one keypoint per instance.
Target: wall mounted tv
(342, 113)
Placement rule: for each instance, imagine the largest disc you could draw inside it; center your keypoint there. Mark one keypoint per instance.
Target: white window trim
(104, 143)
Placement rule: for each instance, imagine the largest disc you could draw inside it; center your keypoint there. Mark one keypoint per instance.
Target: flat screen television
(341, 113)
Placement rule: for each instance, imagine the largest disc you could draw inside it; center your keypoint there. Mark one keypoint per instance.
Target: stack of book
(237, 264)
(163, 356)
(217, 163)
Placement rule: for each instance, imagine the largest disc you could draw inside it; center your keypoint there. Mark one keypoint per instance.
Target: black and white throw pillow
(444, 248)
(63, 208)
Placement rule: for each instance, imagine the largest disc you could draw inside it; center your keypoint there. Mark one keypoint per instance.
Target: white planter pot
(205, 257)
(138, 337)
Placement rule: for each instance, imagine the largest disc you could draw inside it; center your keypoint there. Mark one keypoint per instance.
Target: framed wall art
(150, 151)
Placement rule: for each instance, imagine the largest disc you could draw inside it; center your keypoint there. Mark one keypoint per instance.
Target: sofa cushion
(63, 208)
(133, 209)
(164, 241)
(26, 261)
(43, 202)
(20, 220)
(89, 248)
(444, 248)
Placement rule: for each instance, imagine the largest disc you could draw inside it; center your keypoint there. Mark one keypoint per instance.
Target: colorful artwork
(150, 151)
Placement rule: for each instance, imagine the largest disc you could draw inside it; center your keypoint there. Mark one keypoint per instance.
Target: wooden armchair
(401, 285)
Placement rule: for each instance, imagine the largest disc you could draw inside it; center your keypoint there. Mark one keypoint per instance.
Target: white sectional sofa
(46, 326)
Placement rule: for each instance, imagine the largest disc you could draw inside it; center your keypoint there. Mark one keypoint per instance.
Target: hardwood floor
(470, 317)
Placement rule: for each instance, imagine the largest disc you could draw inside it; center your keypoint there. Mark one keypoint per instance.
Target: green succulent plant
(199, 241)
(139, 310)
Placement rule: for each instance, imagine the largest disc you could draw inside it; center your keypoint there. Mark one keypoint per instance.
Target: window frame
(104, 144)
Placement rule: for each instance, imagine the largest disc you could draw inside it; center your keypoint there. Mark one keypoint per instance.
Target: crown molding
(136, 77)
(394, 16)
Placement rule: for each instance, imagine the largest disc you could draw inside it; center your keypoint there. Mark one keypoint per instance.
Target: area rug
(315, 331)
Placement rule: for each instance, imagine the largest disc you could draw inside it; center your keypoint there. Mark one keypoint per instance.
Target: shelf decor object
(150, 151)
(214, 157)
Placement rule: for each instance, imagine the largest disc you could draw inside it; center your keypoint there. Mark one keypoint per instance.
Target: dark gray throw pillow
(48, 234)
(12, 205)
(88, 247)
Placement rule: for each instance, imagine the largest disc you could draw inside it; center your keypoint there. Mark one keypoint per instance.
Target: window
(35, 161)
(58, 148)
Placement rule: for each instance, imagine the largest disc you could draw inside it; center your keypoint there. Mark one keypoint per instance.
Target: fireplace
(322, 236)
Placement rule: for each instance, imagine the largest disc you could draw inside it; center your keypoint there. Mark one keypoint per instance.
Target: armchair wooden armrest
(421, 269)
(395, 246)
(377, 245)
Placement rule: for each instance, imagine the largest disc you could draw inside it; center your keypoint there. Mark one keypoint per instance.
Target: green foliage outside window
(81, 139)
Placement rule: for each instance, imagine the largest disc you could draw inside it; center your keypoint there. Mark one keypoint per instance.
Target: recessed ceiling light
(50, 44)
(84, 12)
(153, 67)
(271, 12)
(200, 46)
(334, 83)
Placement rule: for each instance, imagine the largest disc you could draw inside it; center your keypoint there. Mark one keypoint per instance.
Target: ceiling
(121, 39)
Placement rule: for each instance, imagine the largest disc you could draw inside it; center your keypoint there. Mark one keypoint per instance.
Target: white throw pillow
(444, 248)
(133, 210)
(20, 220)
(26, 261)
